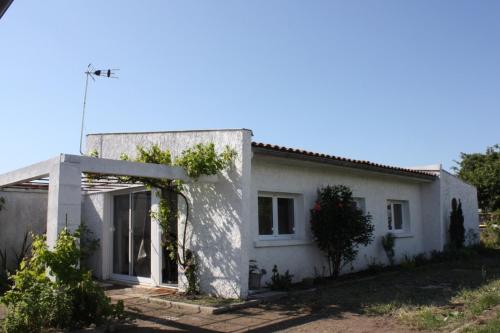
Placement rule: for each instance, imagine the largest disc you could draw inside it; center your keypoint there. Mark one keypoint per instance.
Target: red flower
(317, 207)
(340, 205)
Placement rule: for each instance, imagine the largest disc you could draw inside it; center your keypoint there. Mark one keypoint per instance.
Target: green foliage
(339, 227)
(93, 153)
(4, 281)
(154, 155)
(191, 272)
(483, 171)
(19, 256)
(24, 249)
(279, 281)
(490, 235)
(407, 262)
(202, 159)
(68, 298)
(456, 228)
(388, 243)
(88, 243)
(373, 266)
(164, 215)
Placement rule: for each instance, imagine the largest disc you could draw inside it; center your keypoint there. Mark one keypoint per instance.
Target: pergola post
(64, 199)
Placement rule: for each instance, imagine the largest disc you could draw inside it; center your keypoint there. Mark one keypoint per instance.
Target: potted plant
(255, 275)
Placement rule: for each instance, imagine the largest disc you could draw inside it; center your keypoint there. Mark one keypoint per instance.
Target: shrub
(280, 282)
(68, 297)
(456, 229)
(373, 266)
(420, 259)
(407, 262)
(4, 281)
(339, 226)
(388, 242)
(490, 235)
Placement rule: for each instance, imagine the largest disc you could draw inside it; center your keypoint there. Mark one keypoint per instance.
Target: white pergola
(65, 179)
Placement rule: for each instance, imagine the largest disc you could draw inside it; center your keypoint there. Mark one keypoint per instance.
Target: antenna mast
(91, 72)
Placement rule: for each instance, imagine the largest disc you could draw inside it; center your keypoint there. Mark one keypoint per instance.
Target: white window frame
(275, 228)
(405, 219)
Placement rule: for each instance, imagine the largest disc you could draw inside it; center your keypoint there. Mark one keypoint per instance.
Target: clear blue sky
(396, 82)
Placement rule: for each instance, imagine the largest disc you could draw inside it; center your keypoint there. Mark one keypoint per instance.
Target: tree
(339, 226)
(483, 171)
(457, 230)
(2, 203)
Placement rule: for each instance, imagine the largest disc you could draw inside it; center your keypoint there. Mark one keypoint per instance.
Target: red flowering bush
(339, 226)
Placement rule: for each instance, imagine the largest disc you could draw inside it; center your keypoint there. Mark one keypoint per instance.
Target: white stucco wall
(218, 215)
(453, 187)
(301, 256)
(95, 214)
(24, 210)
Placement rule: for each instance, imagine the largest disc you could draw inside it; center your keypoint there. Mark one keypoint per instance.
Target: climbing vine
(201, 159)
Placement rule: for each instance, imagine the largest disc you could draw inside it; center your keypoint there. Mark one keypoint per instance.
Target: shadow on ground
(341, 304)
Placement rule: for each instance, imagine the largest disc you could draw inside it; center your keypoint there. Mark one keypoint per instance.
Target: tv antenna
(91, 72)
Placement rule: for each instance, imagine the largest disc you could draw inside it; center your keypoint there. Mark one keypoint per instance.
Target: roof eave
(341, 163)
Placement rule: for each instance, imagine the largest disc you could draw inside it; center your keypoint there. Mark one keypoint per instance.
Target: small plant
(88, 243)
(373, 266)
(388, 242)
(456, 229)
(420, 259)
(19, 256)
(407, 262)
(23, 251)
(279, 281)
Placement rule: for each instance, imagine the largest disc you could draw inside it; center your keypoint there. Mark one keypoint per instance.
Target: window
(276, 215)
(397, 215)
(265, 215)
(360, 204)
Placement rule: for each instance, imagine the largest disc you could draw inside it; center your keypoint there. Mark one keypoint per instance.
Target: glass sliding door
(132, 235)
(141, 231)
(121, 234)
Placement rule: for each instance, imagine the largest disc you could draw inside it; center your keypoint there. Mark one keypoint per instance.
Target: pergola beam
(126, 168)
(26, 174)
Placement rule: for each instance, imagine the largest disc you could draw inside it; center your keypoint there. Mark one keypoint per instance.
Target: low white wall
(304, 178)
(453, 187)
(218, 228)
(24, 210)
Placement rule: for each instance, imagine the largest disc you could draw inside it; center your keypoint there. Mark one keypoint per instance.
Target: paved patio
(153, 317)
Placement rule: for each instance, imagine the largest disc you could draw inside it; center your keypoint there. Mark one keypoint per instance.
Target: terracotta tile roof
(342, 161)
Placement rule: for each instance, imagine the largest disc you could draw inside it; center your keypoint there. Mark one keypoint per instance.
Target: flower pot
(254, 281)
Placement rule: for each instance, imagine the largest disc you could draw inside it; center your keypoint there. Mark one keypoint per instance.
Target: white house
(256, 210)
